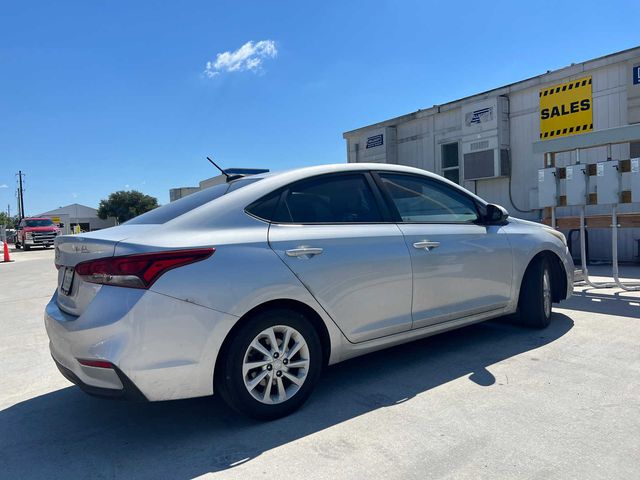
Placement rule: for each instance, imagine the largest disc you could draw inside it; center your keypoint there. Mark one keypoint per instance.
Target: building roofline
(549, 75)
(50, 212)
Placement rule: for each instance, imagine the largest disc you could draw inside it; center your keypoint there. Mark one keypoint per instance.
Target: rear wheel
(271, 365)
(534, 304)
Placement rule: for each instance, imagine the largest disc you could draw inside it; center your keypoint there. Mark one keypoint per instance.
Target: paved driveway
(488, 401)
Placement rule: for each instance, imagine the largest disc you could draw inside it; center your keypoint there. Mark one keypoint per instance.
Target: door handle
(307, 252)
(426, 245)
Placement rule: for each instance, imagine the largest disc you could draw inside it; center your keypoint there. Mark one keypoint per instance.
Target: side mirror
(495, 214)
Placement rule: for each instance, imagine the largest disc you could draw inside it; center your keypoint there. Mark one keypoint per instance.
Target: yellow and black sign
(566, 109)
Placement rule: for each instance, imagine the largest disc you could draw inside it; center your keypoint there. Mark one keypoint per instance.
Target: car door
(460, 267)
(330, 231)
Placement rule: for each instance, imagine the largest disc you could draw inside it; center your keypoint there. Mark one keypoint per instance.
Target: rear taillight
(140, 270)
(95, 363)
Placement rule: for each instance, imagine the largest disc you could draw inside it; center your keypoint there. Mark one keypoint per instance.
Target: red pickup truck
(36, 232)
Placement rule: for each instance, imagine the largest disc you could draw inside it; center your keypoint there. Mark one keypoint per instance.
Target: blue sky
(99, 96)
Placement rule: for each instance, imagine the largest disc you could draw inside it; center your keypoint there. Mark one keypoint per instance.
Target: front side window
(420, 199)
(329, 199)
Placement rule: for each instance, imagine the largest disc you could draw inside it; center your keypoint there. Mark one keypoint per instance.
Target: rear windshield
(45, 222)
(174, 209)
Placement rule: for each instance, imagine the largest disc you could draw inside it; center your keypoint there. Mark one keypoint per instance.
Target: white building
(486, 142)
(76, 214)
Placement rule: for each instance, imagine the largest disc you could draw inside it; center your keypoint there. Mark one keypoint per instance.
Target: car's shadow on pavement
(67, 434)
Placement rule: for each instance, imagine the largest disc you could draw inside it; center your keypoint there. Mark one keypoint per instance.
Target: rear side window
(420, 199)
(266, 206)
(324, 199)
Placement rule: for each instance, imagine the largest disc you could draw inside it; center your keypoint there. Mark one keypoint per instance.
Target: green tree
(124, 205)
(7, 221)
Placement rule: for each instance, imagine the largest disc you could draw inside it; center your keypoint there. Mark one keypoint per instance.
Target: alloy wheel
(276, 364)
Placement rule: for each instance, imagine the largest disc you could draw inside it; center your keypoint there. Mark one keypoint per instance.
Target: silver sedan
(250, 288)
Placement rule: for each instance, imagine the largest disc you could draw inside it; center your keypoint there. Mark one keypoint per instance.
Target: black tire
(26, 248)
(531, 304)
(229, 380)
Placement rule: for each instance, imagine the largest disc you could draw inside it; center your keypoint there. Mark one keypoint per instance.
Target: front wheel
(271, 365)
(26, 247)
(534, 304)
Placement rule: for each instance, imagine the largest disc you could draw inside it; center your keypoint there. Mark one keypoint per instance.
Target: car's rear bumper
(128, 391)
(162, 348)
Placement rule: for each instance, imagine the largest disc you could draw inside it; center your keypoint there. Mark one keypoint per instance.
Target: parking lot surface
(487, 401)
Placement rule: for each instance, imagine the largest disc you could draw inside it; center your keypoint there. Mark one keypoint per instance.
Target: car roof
(350, 167)
(227, 208)
(294, 174)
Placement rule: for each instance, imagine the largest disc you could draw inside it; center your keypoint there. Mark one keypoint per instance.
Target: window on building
(450, 162)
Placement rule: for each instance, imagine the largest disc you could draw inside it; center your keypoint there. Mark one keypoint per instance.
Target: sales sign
(566, 109)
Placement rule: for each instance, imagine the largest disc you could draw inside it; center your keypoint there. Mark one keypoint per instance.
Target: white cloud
(4, 185)
(74, 195)
(248, 57)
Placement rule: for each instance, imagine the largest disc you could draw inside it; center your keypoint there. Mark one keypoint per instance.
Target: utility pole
(20, 196)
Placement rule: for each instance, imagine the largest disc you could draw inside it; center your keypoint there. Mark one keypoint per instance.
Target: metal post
(583, 256)
(631, 287)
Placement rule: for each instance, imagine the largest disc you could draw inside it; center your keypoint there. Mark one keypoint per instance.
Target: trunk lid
(73, 249)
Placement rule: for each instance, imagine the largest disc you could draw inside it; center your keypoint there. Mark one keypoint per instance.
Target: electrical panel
(635, 180)
(576, 184)
(547, 188)
(608, 182)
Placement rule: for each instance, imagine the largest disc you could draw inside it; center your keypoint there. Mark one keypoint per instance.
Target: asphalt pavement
(488, 401)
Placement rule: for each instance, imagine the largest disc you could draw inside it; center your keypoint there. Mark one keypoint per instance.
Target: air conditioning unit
(485, 141)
